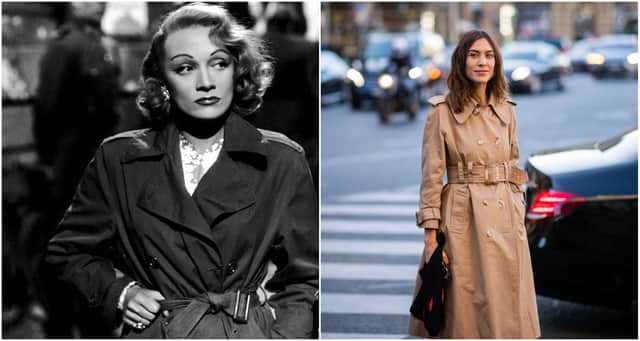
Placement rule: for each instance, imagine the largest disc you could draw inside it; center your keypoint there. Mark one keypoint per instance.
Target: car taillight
(552, 205)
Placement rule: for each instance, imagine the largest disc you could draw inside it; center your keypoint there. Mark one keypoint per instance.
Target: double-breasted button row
(500, 203)
(153, 262)
(481, 141)
(231, 268)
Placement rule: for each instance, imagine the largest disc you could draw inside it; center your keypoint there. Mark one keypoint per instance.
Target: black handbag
(428, 305)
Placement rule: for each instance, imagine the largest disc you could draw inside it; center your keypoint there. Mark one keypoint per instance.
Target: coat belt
(491, 173)
(234, 303)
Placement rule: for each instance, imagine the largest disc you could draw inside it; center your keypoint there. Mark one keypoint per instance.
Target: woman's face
(199, 73)
(480, 62)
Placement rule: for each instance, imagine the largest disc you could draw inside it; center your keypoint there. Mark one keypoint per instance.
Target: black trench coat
(132, 213)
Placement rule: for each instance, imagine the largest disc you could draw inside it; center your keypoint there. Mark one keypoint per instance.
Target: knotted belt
(235, 304)
(490, 173)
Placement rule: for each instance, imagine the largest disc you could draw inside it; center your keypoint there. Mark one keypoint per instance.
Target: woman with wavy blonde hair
(173, 228)
(471, 136)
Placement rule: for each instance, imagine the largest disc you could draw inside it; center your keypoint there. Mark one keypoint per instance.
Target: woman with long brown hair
(471, 134)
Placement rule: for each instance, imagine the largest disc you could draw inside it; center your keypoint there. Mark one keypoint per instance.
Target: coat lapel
(500, 108)
(227, 188)
(163, 194)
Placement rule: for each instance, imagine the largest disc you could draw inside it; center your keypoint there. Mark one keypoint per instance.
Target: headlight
(520, 73)
(385, 81)
(595, 59)
(633, 58)
(415, 73)
(356, 77)
(434, 73)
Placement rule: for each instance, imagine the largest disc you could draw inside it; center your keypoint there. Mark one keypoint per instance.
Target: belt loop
(460, 171)
(470, 168)
(507, 171)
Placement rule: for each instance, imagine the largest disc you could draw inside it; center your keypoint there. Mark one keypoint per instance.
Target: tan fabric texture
(491, 293)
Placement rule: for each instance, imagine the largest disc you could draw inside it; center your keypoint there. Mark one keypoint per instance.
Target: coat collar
(239, 136)
(501, 108)
(223, 190)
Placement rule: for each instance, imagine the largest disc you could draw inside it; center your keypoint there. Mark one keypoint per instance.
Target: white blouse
(194, 164)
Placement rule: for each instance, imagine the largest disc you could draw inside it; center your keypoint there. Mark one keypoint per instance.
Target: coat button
(476, 110)
(232, 268)
(484, 202)
(498, 140)
(489, 234)
(153, 263)
(480, 142)
(501, 203)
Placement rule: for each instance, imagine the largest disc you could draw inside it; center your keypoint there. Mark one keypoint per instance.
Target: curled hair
(461, 88)
(252, 72)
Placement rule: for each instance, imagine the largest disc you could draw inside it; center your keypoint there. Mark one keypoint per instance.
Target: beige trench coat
(481, 212)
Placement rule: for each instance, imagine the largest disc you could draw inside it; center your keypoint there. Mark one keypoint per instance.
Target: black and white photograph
(160, 170)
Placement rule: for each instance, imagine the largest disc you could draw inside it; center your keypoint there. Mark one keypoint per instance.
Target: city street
(370, 180)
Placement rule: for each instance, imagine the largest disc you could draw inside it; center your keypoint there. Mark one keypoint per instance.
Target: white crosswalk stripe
(370, 248)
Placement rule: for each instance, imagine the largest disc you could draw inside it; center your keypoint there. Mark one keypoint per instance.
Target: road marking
(370, 271)
(386, 197)
(366, 304)
(370, 210)
(371, 227)
(361, 336)
(376, 247)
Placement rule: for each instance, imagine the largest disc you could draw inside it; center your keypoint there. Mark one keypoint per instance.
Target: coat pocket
(459, 210)
(519, 207)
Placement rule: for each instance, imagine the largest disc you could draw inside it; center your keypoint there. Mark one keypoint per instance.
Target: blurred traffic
(537, 57)
(572, 70)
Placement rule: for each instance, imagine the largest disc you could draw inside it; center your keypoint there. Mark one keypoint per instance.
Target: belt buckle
(491, 174)
(240, 312)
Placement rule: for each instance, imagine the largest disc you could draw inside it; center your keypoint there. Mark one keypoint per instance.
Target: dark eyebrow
(472, 50)
(181, 55)
(220, 50)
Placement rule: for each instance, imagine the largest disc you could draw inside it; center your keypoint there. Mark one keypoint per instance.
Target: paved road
(370, 175)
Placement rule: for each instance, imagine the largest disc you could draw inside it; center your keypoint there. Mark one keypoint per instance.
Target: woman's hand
(141, 306)
(430, 245)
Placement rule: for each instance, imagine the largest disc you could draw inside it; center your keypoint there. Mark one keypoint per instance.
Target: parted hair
(253, 70)
(461, 88)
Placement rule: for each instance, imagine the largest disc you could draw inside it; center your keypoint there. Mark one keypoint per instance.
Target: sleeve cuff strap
(429, 213)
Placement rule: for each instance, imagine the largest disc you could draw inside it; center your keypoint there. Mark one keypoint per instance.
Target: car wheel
(384, 110)
(535, 86)
(560, 83)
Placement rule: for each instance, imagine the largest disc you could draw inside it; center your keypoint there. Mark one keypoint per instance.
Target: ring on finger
(139, 325)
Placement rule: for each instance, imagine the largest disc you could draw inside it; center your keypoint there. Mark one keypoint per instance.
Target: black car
(582, 214)
(333, 73)
(614, 55)
(375, 58)
(534, 66)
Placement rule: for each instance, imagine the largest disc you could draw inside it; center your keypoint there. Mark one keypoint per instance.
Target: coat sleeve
(296, 257)
(78, 253)
(433, 167)
(514, 154)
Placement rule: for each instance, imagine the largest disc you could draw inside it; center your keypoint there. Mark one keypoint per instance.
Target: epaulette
(268, 135)
(127, 134)
(508, 99)
(435, 100)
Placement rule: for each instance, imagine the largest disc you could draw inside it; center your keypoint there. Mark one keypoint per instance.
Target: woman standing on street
(172, 228)
(471, 134)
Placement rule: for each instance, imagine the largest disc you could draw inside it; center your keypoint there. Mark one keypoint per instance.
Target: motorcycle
(399, 90)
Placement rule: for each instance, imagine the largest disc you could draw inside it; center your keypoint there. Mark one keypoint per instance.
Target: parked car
(333, 73)
(614, 55)
(365, 70)
(578, 54)
(534, 66)
(582, 221)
